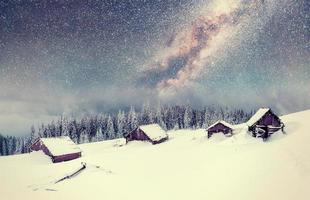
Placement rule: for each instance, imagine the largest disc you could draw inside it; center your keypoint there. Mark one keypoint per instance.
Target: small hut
(58, 148)
(152, 133)
(220, 127)
(264, 123)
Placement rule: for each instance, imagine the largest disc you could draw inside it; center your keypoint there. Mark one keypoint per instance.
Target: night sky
(88, 56)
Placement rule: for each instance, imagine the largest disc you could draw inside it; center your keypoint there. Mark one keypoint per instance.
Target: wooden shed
(264, 123)
(58, 148)
(220, 127)
(152, 133)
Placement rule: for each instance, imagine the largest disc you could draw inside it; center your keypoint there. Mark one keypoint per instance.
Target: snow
(154, 132)
(257, 116)
(222, 122)
(60, 145)
(187, 166)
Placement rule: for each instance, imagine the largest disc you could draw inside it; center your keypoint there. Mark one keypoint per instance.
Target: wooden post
(282, 128)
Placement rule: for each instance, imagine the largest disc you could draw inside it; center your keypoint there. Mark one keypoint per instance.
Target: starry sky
(89, 56)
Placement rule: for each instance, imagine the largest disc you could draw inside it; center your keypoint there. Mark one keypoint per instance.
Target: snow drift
(187, 166)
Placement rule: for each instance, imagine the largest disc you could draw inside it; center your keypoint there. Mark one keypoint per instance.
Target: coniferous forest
(99, 127)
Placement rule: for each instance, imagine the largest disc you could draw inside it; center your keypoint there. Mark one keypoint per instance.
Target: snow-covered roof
(154, 131)
(60, 145)
(222, 122)
(257, 116)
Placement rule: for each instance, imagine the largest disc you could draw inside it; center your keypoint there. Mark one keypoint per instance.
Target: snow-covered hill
(188, 166)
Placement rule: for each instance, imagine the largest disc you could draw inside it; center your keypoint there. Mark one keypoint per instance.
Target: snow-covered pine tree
(9, 145)
(187, 117)
(5, 150)
(200, 119)
(87, 128)
(91, 129)
(52, 129)
(19, 144)
(72, 130)
(58, 127)
(120, 123)
(152, 115)
(208, 118)
(65, 126)
(159, 117)
(176, 115)
(99, 135)
(42, 131)
(102, 119)
(82, 131)
(24, 149)
(167, 117)
(1, 145)
(83, 137)
(110, 132)
(33, 135)
(132, 119)
(12, 145)
(145, 114)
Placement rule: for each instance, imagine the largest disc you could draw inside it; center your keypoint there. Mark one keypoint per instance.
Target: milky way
(76, 56)
(189, 53)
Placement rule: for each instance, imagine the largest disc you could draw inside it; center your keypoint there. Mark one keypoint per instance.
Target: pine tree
(52, 129)
(132, 119)
(152, 116)
(102, 125)
(33, 135)
(187, 117)
(13, 144)
(42, 131)
(121, 124)
(145, 115)
(99, 135)
(159, 117)
(110, 128)
(65, 126)
(83, 137)
(72, 130)
(19, 145)
(58, 127)
(82, 134)
(9, 145)
(1, 145)
(167, 117)
(209, 117)
(23, 146)
(93, 126)
(5, 150)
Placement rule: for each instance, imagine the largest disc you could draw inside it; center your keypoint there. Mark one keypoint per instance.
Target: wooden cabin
(264, 123)
(220, 127)
(152, 133)
(58, 148)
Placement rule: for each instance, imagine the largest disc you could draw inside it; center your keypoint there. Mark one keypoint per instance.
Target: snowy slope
(187, 166)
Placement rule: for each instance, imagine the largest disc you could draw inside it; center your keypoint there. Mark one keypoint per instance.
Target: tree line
(99, 127)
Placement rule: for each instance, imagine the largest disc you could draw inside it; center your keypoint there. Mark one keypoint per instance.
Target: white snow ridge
(187, 166)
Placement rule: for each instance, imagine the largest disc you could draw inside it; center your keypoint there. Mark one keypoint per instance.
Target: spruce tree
(187, 117)
(132, 119)
(120, 124)
(110, 132)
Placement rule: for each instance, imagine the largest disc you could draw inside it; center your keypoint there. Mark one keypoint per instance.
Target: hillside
(188, 166)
